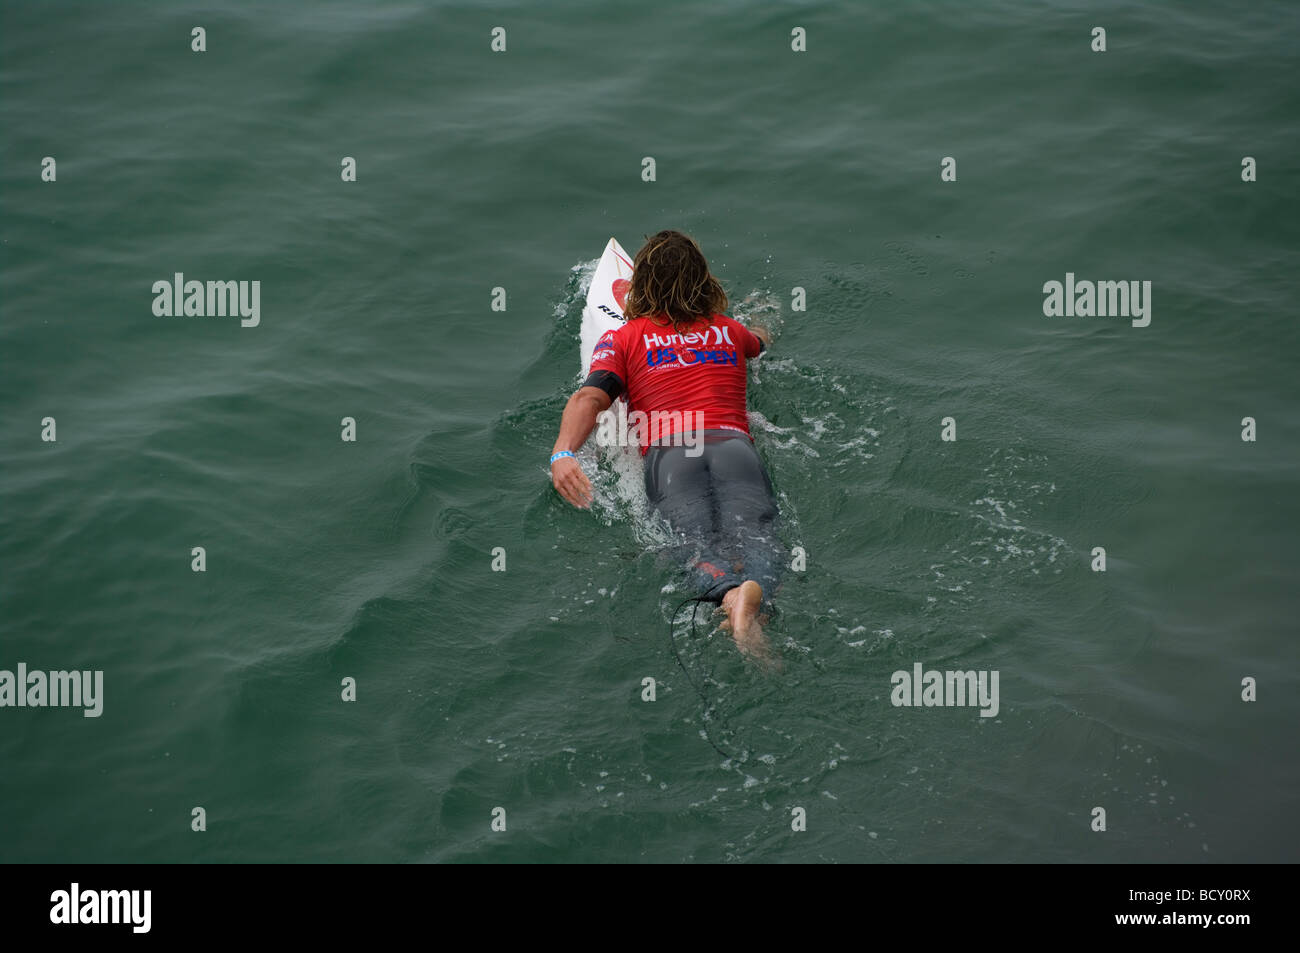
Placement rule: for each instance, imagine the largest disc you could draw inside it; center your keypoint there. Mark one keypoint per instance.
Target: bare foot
(741, 605)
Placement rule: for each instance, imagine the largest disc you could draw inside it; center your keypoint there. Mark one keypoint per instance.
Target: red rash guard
(663, 372)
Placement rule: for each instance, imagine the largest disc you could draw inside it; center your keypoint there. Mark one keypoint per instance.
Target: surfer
(680, 362)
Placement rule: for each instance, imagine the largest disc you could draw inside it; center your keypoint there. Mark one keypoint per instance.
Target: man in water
(681, 363)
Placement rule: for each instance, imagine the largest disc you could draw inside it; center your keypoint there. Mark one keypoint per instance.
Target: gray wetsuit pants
(720, 506)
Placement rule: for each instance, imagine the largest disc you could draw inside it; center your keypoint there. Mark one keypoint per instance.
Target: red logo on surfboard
(620, 288)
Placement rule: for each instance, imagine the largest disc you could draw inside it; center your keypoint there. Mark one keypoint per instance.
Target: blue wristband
(561, 453)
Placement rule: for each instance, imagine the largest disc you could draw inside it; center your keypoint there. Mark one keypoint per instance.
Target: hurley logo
(719, 335)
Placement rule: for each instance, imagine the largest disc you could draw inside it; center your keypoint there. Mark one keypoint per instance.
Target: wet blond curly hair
(670, 276)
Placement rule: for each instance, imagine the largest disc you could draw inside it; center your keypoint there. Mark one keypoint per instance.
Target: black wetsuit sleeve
(607, 381)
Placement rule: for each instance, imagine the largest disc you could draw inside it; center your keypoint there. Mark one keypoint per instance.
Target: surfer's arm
(580, 415)
(576, 424)
(755, 340)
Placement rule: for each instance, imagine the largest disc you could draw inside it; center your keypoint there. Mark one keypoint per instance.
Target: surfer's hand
(571, 482)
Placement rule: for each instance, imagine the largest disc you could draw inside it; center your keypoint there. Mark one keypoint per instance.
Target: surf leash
(709, 707)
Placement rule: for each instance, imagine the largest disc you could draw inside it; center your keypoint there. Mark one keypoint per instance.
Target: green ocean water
(372, 559)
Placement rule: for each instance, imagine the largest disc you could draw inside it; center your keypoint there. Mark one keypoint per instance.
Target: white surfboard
(604, 309)
(604, 312)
